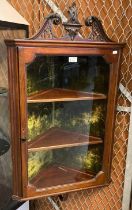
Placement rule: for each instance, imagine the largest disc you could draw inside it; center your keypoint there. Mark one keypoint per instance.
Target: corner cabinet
(62, 109)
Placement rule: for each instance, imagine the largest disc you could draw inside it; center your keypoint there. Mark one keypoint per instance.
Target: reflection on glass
(67, 104)
(86, 117)
(89, 73)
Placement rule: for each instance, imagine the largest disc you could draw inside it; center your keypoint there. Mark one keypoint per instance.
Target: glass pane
(67, 105)
(85, 117)
(86, 73)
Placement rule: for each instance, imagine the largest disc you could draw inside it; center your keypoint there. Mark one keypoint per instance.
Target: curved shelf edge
(97, 181)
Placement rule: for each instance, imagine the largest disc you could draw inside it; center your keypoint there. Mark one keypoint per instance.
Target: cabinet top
(84, 43)
(72, 38)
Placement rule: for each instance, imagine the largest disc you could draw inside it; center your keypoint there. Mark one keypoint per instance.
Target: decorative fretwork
(72, 27)
(46, 31)
(97, 33)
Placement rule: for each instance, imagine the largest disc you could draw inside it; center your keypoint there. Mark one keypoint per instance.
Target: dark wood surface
(21, 52)
(78, 44)
(58, 94)
(58, 138)
(59, 175)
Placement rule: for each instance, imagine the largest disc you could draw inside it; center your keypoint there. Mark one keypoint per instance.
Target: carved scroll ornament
(46, 31)
(72, 27)
(97, 33)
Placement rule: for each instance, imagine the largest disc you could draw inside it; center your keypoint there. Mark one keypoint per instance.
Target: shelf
(59, 175)
(56, 138)
(56, 94)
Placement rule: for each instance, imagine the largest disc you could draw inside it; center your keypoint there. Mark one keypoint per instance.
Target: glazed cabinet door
(67, 103)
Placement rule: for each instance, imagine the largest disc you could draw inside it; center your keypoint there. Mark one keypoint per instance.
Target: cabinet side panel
(14, 118)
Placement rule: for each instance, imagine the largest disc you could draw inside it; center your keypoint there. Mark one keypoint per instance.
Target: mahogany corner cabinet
(62, 108)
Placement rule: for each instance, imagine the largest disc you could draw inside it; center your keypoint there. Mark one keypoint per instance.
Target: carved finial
(72, 26)
(97, 33)
(73, 14)
(46, 30)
